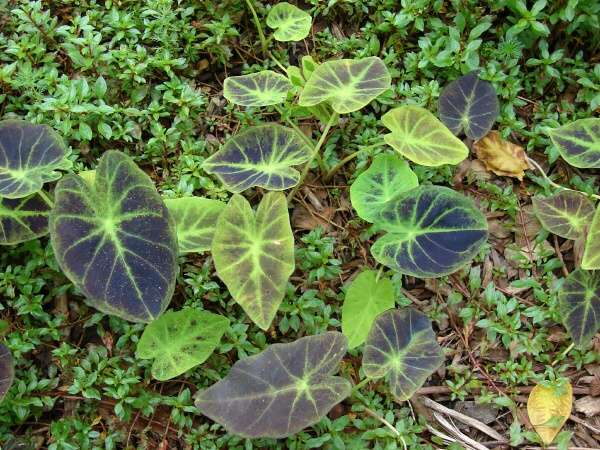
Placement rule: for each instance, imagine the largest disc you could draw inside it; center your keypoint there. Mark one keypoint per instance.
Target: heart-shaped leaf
(289, 22)
(260, 156)
(346, 84)
(30, 155)
(419, 136)
(23, 219)
(565, 214)
(470, 105)
(591, 252)
(387, 177)
(7, 371)
(501, 156)
(366, 298)
(180, 340)
(280, 391)
(432, 231)
(579, 301)
(579, 142)
(196, 218)
(402, 345)
(115, 239)
(254, 254)
(257, 89)
(549, 406)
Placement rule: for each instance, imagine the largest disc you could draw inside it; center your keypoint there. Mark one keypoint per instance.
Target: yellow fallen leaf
(501, 157)
(549, 406)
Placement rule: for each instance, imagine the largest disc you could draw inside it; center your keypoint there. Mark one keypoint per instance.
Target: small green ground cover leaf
(30, 155)
(260, 156)
(432, 232)
(566, 213)
(115, 239)
(196, 219)
(388, 176)
(469, 104)
(254, 254)
(402, 346)
(579, 142)
(180, 340)
(366, 298)
(346, 84)
(289, 22)
(579, 302)
(419, 136)
(280, 391)
(7, 371)
(257, 89)
(591, 252)
(23, 219)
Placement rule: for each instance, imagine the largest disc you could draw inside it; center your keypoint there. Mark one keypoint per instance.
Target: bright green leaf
(387, 177)
(254, 254)
(180, 340)
(579, 142)
(366, 298)
(419, 136)
(591, 253)
(257, 89)
(289, 22)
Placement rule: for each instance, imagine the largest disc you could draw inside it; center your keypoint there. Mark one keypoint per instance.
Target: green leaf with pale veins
(579, 302)
(280, 391)
(7, 371)
(289, 22)
(432, 231)
(591, 252)
(419, 136)
(180, 340)
(566, 214)
(30, 155)
(579, 142)
(366, 298)
(23, 219)
(263, 156)
(402, 346)
(254, 254)
(346, 84)
(388, 176)
(115, 239)
(196, 219)
(257, 89)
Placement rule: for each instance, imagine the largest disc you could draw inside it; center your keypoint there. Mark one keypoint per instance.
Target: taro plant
(7, 373)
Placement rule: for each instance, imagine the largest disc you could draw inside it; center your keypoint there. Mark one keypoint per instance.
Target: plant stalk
(349, 158)
(45, 197)
(332, 120)
(261, 35)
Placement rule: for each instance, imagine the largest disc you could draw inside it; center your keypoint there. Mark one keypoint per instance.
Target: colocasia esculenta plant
(118, 241)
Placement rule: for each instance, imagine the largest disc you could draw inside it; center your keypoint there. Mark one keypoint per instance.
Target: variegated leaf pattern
(30, 155)
(280, 391)
(23, 219)
(566, 214)
(289, 22)
(346, 84)
(432, 231)
(262, 156)
(469, 104)
(579, 142)
(7, 371)
(254, 254)
(579, 302)
(419, 136)
(115, 239)
(196, 219)
(257, 89)
(591, 252)
(402, 346)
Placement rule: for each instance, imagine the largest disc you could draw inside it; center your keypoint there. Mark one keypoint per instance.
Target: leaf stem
(332, 120)
(535, 164)
(45, 197)
(349, 158)
(261, 35)
(359, 385)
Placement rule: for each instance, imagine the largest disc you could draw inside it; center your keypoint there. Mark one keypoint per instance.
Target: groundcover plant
(256, 225)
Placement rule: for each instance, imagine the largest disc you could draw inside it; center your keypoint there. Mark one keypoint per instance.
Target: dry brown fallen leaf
(549, 406)
(500, 156)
